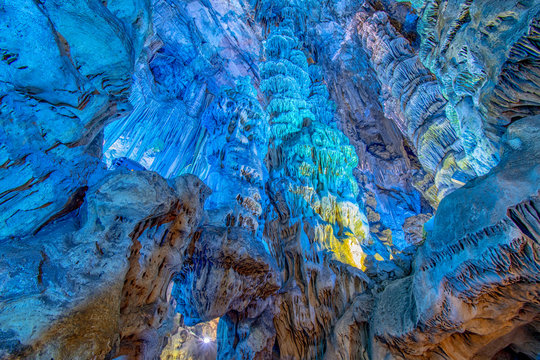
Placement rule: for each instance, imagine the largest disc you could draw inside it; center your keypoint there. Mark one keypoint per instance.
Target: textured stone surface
(485, 57)
(420, 107)
(315, 228)
(238, 135)
(102, 282)
(197, 49)
(65, 74)
(388, 169)
(414, 228)
(192, 342)
(225, 270)
(363, 179)
(476, 276)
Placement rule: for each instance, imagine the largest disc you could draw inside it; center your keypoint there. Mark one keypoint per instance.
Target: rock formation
(420, 111)
(106, 274)
(270, 179)
(57, 97)
(474, 289)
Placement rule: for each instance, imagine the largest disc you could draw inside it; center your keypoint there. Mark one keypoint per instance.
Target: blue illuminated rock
(197, 49)
(392, 183)
(485, 58)
(308, 152)
(91, 290)
(238, 134)
(339, 179)
(420, 109)
(224, 272)
(315, 225)
(65, 74)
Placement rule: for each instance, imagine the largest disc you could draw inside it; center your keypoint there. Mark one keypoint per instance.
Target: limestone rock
(225, 270)
(485, 57)
(66, 74)
(300, 148)
(350, 335)
(197, 49)
(414, 228)
(420, 103)
(388, 171)
(476, 276)
(190, 342)
(104, 276)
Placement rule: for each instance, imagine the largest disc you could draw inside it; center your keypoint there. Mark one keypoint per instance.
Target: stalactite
(292, 124)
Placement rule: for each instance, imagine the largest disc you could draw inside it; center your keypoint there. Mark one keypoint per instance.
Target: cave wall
(62, 83)
(474, 286)
(287, 157)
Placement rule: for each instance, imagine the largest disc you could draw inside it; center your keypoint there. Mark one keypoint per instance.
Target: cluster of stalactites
(322, 108)
(291, 14)
(314, 156)
(468, 76)
(237, 144)
(301, 118)
(286, 82)
(236, 110)
(425, 117)
(320, 156)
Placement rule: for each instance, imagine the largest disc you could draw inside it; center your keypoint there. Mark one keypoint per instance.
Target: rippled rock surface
(196, 50)
(474, 289)
(269, 179)
(65, 74)
(393, 183)
(485, 57)
(420, 107)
